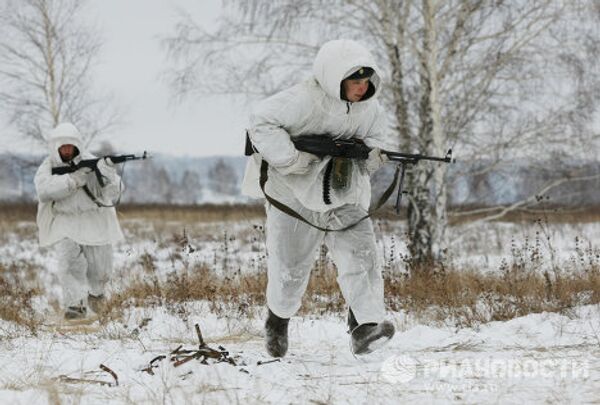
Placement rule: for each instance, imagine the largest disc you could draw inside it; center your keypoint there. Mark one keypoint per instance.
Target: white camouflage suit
(82, 231)
(313, 107)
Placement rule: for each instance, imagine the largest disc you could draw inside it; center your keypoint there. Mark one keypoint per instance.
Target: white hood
(337, 60)
(64, 134)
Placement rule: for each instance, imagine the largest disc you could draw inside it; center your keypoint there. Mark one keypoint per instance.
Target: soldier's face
(66, 152)
(355, 89)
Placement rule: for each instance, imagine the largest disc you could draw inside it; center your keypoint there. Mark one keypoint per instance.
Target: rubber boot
(368, 336)
(276, 335)
(96, 303)
(76, 312)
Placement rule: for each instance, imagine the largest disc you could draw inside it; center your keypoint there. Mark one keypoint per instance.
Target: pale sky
(130, 64)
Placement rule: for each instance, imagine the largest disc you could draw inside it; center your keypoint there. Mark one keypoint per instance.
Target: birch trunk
(427, 219)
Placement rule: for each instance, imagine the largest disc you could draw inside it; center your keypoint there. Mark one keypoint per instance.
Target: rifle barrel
(399, 156)
(124, 158)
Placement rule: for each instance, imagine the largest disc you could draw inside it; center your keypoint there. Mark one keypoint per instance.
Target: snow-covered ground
(539, 358)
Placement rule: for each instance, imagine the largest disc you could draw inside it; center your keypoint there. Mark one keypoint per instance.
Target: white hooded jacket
(315, 107)
(65, 210)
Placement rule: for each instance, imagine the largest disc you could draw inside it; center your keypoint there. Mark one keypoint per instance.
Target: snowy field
(539, 358)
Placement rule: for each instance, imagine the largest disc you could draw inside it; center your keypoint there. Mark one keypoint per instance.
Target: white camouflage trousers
(292, 246)
(83, 270)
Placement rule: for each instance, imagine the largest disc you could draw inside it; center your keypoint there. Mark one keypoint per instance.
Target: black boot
(352, 324)
(75, 312)
(97, 303)
(276, 335)
(368, 336)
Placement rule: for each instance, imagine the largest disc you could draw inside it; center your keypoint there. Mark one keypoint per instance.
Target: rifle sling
(95, 200)
(284, 208)
(91, 195)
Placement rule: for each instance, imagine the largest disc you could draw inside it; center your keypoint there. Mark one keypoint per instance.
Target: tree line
(167, 181)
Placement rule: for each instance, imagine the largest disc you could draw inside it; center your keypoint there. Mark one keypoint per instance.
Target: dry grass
(524, 284)
(550, 214)
(460, 295)
(194, 213)
(16, 300)
(235, 212)
(466, 298)
(197, 283)
(239, 293)
(11, 212)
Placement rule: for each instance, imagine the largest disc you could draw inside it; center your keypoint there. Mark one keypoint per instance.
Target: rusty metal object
(180, 356)
(152, 365)
(112, 373)
(73, 380)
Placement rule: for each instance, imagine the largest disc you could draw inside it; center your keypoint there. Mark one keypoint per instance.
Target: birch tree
(46, 59)
(491, 79)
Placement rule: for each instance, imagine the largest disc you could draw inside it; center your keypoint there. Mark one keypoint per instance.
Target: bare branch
(45, 67)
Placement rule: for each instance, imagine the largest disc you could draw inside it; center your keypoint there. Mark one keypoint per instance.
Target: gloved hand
(107, 167)
(79, 178)
(301, 165)
(376, 160)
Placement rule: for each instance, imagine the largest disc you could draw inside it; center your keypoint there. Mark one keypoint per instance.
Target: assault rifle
(323, 145)
(93, 164)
